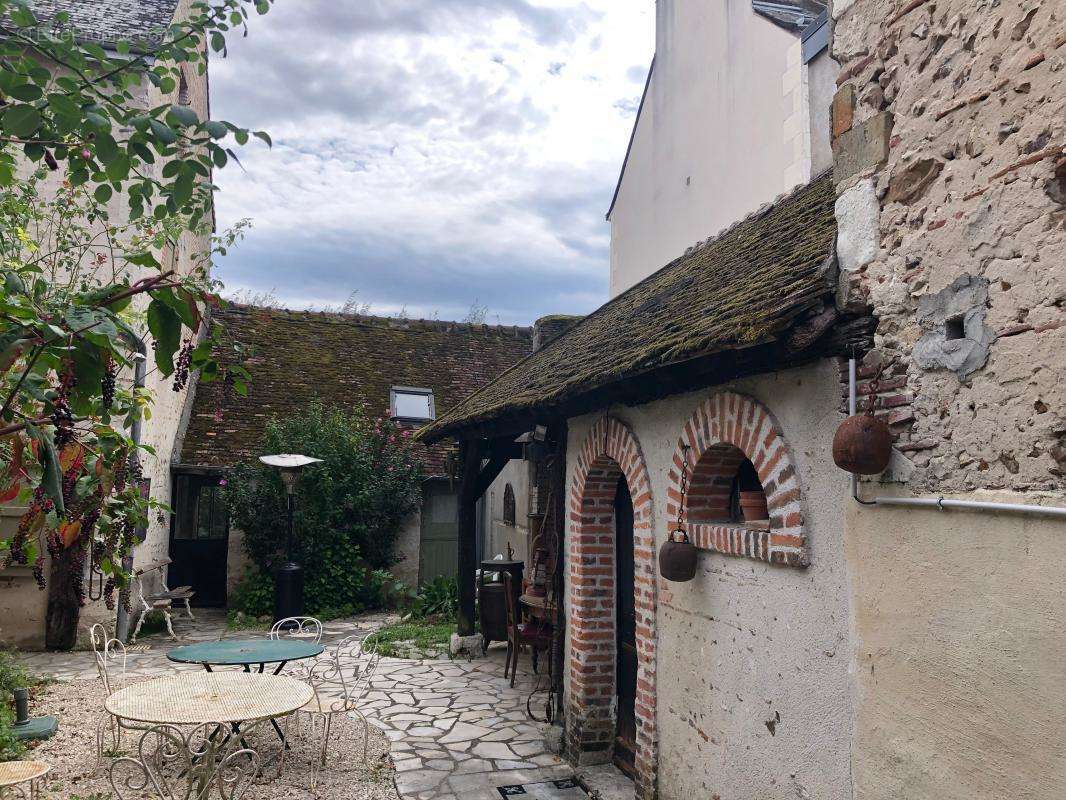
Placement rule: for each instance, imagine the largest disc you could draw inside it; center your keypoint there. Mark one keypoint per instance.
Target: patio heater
(289, 578)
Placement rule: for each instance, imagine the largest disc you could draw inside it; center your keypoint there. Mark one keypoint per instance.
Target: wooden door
(199, 539)
(626, 661)
(438, 553)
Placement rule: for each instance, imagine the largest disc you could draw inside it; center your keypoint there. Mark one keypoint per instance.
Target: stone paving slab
(457, 729)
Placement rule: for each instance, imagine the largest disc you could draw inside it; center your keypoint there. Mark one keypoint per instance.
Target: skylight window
(412, 405)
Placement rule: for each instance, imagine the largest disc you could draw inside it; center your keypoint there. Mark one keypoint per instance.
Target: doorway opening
(625, 740)
(199, 538)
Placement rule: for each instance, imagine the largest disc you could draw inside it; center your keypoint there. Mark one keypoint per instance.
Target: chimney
(552, 327)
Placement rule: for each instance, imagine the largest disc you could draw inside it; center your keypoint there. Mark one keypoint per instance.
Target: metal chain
(684, 487)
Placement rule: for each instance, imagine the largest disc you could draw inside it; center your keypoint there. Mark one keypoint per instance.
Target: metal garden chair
(110, 655)
(340, 682)
(307, 628)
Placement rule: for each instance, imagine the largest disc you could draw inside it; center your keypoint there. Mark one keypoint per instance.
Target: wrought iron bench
(160, 601)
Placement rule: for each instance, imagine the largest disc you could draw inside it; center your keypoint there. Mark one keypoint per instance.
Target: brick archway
(723, 430)
(609, 452)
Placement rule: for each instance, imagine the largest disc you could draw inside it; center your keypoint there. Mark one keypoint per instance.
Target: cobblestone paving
(456, 727)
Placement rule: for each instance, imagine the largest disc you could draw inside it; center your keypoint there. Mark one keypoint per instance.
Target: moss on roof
(740, 289)
(345, 360)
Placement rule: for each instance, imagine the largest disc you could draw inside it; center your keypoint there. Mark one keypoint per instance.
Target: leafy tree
(349, 508)
(83, 293)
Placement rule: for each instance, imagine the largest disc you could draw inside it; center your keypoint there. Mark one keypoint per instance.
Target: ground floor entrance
(199, 539)
(439, 546)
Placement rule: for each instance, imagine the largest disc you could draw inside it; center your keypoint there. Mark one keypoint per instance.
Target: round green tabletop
(245, 652)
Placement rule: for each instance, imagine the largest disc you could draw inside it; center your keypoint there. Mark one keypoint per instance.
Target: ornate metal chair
(340, 682)
(307, 628)
(110, 655)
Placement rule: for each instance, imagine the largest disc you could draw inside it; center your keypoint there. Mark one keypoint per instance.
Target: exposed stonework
(954, 318)
(971, 185)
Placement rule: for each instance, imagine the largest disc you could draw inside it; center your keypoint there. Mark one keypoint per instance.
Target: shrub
(12, 676)
(438, 600)
(349, 508)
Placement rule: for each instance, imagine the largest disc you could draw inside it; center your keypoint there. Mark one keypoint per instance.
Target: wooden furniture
(199, 731)
(541, 608)
(246, 653)
(160, 601)
(492, 608)
(537, 634)
(15, 773)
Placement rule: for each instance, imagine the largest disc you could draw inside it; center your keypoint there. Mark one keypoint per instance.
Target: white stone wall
(499, 534)
(746, 644)
(725, 128)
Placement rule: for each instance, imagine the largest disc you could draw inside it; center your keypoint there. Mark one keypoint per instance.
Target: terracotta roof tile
(344, 360)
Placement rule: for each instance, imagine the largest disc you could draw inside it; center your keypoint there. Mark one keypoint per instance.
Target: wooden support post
(470, 465)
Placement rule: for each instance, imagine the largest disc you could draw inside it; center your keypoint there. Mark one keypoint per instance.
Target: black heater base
(288, 591)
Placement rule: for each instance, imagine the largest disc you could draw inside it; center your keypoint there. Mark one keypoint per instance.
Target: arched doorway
(610, 540)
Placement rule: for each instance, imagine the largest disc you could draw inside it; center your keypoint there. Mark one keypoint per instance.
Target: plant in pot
(753, 506)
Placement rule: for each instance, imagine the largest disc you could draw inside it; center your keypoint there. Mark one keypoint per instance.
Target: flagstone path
(456, 727)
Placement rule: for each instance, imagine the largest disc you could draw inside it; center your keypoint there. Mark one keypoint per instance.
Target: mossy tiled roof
(344, 360)
(107, 22)
(743, 288)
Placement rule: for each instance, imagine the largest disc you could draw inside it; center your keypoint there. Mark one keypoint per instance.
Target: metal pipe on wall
(940, 503)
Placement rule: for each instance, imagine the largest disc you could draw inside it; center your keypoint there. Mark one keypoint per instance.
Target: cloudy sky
(431, 154)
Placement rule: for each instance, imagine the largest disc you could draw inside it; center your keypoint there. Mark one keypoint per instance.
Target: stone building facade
(949, 130)
(22, 605)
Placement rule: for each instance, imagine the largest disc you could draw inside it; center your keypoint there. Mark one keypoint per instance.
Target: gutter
(140, 370)
(940, 503)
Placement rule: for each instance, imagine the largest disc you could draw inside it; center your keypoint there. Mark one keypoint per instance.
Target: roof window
(412, 405)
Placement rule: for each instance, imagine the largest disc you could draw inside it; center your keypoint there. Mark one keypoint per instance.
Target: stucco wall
(498, 533)
(744, 641)
(711, 145)
(961, 620)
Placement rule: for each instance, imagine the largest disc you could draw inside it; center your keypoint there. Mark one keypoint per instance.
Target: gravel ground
(72, 755)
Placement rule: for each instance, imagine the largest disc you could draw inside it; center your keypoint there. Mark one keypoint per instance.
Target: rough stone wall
(950, 142)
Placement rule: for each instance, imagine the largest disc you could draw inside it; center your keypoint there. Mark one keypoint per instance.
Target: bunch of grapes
(70, 480)
(107, 383)
(38, 572)
(17, 547)
(120, 474)
(63, 420)
(181, 367)
(109, 593)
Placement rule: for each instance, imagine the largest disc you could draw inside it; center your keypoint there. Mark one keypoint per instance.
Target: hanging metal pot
(863, 445)
(677, 557)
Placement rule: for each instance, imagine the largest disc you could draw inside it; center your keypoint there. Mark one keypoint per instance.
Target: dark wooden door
(626, 664)
(199, 539)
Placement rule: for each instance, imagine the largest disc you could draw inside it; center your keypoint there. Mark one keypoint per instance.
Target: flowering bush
(349, 508)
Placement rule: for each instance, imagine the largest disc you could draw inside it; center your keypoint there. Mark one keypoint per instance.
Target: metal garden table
(186, 738)
(245, 653)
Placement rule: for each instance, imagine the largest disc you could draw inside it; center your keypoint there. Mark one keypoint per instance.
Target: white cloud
(428, 153)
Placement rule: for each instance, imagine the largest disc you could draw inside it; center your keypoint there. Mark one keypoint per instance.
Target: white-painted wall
(745, 641)
(499, 534)
(726, 126)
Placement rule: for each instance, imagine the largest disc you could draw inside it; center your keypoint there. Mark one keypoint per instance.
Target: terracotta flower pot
(863, 445)
(677, 558)
(753, 506)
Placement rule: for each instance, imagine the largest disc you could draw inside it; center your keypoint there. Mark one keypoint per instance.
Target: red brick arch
(725, 428)
(610, 451)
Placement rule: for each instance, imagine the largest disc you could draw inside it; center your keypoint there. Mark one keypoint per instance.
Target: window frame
(412, 390)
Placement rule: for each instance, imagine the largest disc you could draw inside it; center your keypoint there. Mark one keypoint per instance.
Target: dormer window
(409, 404)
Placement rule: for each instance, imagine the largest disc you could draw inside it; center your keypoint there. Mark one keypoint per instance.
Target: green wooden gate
(439, 548)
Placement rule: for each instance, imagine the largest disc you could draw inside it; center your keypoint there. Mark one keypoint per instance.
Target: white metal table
(15, 773)
(198, 729)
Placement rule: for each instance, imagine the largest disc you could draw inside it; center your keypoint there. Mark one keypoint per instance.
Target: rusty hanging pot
(862, 444)
(677, 557)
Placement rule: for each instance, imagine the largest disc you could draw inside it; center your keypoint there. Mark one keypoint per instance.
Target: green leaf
(184, 115)
(165, 327)
(26, 92)
(52, 477)
(216, 130)
(21, 121)
(163, 132)
(183, 188)
(119, 169)
(106, 148)
(264, 136)
(103, 193)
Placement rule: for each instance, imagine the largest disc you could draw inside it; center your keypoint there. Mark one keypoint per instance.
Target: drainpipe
(940, 503)
(140, 369)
